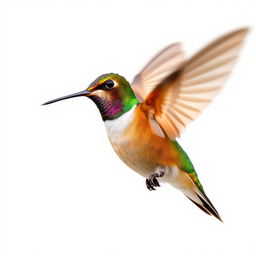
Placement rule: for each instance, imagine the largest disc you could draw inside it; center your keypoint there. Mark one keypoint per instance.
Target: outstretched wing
(180, 97)
(159, 67)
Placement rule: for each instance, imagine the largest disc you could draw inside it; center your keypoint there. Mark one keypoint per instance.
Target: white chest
(116, 127)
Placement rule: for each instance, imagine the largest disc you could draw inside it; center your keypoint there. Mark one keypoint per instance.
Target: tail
(190, 185)
(184, 177)
(197, 195)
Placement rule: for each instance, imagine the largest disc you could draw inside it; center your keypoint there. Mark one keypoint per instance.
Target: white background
(63, 191)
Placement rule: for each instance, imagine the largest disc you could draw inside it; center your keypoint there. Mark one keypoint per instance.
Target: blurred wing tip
(243, 30)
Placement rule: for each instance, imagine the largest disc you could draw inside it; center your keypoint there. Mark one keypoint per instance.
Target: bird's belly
(144, 152)
(136, 144)
(136, 157)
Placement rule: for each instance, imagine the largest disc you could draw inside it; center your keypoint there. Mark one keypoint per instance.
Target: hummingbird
(143, 119)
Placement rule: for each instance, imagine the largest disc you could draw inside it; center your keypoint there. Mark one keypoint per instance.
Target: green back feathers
(186, 165)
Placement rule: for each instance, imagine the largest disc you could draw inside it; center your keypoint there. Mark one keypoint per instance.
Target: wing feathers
(162, 65)
(169, 62)
(180, 97)
(182, 113)
(206, 71)
(162, 57)
(216, 48)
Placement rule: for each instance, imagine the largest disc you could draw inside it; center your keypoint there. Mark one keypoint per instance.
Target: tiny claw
(155, 182)
(152, 180)
(149, 185)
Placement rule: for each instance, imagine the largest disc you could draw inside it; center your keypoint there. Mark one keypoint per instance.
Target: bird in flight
(144, 118)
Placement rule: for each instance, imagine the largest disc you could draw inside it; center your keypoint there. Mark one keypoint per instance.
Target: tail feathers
(207, 206)
(189, 184)
(199, 206)
(199, 198)
(203, 202)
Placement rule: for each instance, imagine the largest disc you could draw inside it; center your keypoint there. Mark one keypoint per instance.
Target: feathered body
(138, 146)
(143, 119)
(143, 151)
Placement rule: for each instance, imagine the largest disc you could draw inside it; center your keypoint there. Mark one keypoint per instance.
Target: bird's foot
(152, 181)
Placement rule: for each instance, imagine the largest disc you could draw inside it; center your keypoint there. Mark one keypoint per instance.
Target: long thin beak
(78, 94)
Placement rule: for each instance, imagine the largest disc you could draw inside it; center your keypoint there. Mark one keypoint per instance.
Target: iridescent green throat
(111, 110)
(116, 101)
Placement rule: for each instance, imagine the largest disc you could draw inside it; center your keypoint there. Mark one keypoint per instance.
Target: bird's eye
(109, 84)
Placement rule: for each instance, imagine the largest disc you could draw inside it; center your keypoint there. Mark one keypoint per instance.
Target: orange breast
(141, 149)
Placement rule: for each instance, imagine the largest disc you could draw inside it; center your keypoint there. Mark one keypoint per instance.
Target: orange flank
(141, 149)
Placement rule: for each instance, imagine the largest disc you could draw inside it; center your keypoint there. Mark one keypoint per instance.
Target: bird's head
(111, 93)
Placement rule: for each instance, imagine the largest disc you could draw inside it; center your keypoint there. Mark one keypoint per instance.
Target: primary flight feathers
(175, 91)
